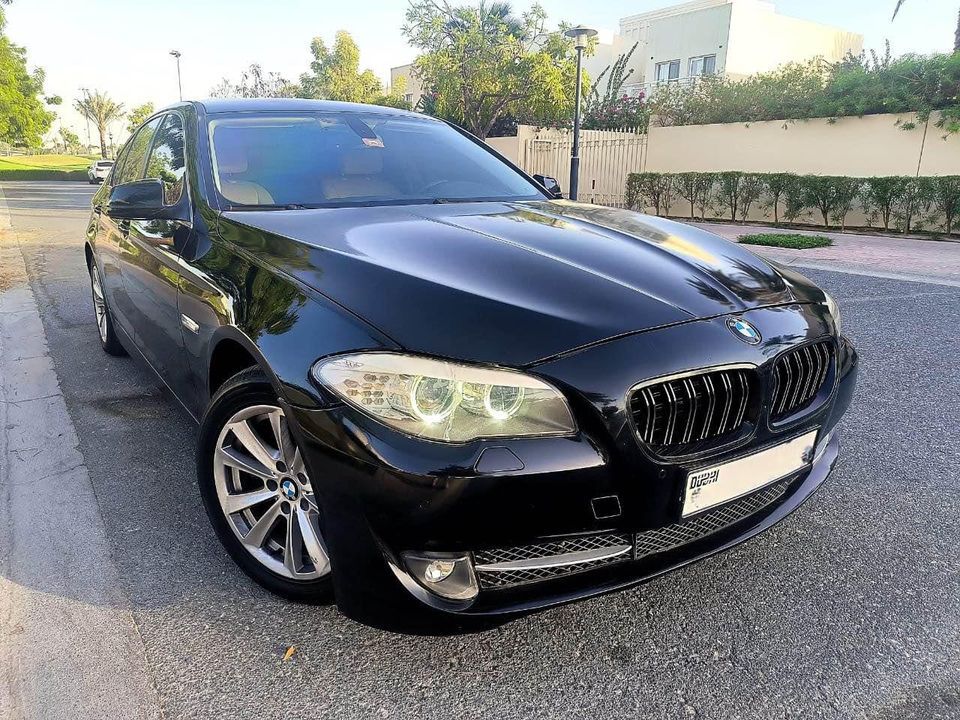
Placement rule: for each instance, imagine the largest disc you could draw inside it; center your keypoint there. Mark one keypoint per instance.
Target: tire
(267, 518)
(108, 336)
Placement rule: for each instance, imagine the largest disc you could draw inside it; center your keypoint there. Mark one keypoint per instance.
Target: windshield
(347, 158)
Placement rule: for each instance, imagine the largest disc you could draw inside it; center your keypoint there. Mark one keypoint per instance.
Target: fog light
(446, 575)
(439, 570)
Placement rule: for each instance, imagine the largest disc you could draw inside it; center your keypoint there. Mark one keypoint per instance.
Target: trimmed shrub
(39, 174)
(905, 203)
(943, 196)
(650, 190)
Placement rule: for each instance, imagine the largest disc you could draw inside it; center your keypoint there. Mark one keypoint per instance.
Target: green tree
(23, 117)
(255, 83)
(136, 116)
(335, 73)
(481, 63)
(69, 140)
(100, 109)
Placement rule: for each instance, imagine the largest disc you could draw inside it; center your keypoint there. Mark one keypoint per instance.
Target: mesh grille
(651, 542)
(508, 578)
(798, 375)
(687, 414)
(549, 549)
(646, 543)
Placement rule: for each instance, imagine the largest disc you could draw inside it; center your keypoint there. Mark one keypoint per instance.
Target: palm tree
(956, 35)
(102, 110)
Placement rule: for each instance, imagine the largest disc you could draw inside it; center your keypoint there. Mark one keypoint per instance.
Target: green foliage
(8, 173)
(69, 141)
(614, 109)
(737, 192)
(787, 240)
(858, 85)
(697, 189)
(23, 117)
(255, 83)
(651, 190)
(776, 186)
(100, 109)
(136, 117)
(943, 196)
(905, 203)
(335, 73)
(880, 196)
(481, 63)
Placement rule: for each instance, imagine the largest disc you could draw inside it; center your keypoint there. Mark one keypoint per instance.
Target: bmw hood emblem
(744, 330)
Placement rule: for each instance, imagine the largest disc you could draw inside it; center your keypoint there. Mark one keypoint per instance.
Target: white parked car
(98, 170)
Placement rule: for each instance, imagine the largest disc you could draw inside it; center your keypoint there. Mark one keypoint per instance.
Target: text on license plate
(721, 483)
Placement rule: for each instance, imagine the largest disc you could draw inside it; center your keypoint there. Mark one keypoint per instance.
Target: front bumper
(386, 494)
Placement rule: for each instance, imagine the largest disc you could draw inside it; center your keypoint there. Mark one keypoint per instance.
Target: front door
(150, 263)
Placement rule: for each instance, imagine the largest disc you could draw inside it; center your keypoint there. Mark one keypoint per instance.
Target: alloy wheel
(266, 494)
(99, 304)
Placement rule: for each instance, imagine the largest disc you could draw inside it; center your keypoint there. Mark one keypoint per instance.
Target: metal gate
(606, 158)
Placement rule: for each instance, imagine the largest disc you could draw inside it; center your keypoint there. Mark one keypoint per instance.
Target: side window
(166, 159)
(136, 155)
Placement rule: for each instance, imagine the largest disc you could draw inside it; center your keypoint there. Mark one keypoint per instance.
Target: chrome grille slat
(692, 412)
(798, 376)
(711, 395)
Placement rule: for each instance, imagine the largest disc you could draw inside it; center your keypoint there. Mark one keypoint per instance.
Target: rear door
(112, 234)
(150, 261)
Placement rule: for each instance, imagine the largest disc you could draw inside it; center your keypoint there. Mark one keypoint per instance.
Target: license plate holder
(712, 486)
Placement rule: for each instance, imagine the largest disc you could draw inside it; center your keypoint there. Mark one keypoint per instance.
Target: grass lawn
(794, 241)
(44, 162)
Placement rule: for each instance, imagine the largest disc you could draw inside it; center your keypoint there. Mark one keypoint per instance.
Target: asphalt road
(848, 609)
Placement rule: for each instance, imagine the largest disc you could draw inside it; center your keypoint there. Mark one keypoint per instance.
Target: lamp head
(580, 35)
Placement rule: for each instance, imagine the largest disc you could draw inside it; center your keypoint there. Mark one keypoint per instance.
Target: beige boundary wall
(873, 145)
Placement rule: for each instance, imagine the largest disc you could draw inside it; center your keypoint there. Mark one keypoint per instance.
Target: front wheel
(257, 491)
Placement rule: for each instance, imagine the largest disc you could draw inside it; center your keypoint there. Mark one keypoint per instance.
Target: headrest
(362, 161)
(231, 155)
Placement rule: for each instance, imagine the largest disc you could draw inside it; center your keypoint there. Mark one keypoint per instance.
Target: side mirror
(550, 185)
(141, 200)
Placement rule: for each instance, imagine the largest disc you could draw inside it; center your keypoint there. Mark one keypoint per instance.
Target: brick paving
(877, 255)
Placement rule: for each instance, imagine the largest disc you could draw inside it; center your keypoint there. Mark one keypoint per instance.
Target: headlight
(446, 401)
(833, 309)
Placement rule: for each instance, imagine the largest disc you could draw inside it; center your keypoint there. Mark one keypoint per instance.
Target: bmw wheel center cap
(289, 489)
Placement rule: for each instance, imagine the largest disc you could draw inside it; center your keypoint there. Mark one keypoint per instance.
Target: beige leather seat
(361, 175)
(232, 162)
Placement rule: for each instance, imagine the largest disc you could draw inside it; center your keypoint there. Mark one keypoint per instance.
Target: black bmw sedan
(426, 384)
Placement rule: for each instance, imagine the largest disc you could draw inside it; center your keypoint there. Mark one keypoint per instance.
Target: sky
(122, 46)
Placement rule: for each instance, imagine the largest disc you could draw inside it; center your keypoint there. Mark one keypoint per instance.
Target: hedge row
(41, 174)
(904, 203)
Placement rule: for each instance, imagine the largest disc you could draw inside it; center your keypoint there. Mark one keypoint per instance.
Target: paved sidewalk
(876, 255)
(69, 647)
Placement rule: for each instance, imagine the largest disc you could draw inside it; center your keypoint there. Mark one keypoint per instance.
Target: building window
(703, 65)
(667, 71)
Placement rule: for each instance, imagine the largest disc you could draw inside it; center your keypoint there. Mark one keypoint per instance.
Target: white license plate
(721, 483)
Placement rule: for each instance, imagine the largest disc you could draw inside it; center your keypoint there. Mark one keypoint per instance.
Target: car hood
(513, 283)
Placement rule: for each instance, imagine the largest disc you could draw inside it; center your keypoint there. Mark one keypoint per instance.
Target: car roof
(223, 105)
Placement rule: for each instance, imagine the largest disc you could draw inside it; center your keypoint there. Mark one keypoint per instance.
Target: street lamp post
(580, 36)
(176, 54)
